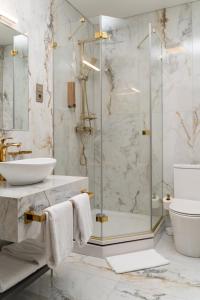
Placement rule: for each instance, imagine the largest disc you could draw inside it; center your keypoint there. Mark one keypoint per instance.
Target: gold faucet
(4, 147)
(14, 154)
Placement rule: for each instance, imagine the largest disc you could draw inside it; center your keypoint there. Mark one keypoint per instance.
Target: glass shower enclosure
(115, 131)
(127, 163)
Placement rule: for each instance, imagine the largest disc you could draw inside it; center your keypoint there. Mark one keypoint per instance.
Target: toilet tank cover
(184, 206)
(187, 166)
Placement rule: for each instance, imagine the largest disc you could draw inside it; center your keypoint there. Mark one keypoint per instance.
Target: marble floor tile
(89, 278)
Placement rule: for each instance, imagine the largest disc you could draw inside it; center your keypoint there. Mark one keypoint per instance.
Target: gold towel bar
(90, 194)
(30, 216)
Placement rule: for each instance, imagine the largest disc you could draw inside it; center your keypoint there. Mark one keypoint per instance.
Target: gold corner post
(101, 35)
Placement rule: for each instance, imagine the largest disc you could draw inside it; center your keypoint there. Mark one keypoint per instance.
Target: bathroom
(105, 96)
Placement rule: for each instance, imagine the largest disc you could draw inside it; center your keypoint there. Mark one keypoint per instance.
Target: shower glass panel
(75, 133)
(124, 142)
(156, 124)
(114, 133)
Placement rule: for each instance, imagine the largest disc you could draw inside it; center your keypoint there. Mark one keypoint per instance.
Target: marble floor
(89, 278)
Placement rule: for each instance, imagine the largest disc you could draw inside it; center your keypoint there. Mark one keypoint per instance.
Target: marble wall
(8, 88)
(181, 89)
(68, 145)
(126, 113)
(36, 21)
(125, 151)
(21, 83)
(181, 105)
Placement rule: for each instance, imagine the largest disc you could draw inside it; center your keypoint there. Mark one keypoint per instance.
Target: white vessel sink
(27, 171)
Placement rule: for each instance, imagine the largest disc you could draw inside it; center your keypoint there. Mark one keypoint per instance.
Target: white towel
(30, 250)
(58, 234)
(82, 218)
(13, 270)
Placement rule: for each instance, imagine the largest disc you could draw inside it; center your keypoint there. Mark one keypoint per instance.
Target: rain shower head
(127, 91)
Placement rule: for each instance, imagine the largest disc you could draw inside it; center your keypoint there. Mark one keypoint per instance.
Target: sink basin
(27, 171)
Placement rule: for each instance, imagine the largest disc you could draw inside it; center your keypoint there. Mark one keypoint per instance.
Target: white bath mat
(136, 261)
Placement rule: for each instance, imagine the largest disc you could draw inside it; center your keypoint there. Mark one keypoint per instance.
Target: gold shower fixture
(81, 129)
(101, 35)
(85, 126)
(102, 218)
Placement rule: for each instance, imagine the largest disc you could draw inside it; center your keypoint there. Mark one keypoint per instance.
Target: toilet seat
(184, 207)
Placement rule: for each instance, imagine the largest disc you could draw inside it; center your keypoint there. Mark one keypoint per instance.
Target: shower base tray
(123, 244)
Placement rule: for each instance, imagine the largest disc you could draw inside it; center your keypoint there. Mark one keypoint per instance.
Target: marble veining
(124, 116)
(51, 182)
(15, 200)
(37, 23)
(125, 151)
(89, 278)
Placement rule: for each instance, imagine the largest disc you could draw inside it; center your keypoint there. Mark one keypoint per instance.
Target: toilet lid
(187, 207)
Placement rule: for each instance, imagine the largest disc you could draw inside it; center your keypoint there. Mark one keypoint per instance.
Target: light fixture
(7, 19)
(175, 50)
(90, 65)
(128, 91)
(135, 90)
(174, 47)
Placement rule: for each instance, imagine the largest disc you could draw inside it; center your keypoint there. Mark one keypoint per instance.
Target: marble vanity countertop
(51, 182)
(16, 200)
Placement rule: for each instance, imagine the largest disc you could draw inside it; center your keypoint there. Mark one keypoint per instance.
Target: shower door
(122, 156)
(156, 124)
(122, 142)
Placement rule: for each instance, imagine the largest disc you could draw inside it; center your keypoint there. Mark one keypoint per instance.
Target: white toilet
(185, 209)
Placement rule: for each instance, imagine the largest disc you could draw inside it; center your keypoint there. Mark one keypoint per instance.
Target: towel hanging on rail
(58, 233)
(82, 218)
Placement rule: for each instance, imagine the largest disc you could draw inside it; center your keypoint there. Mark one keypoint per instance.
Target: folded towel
(82, 218)
(30, 250)
(14, 270)
(58, 233)
(4, 243)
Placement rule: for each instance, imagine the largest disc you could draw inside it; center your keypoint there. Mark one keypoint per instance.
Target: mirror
(13, 79)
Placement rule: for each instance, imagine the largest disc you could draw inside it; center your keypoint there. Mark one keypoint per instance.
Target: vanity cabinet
(16, 200)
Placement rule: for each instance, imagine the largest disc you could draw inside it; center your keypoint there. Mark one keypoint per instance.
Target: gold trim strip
(109, 238)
